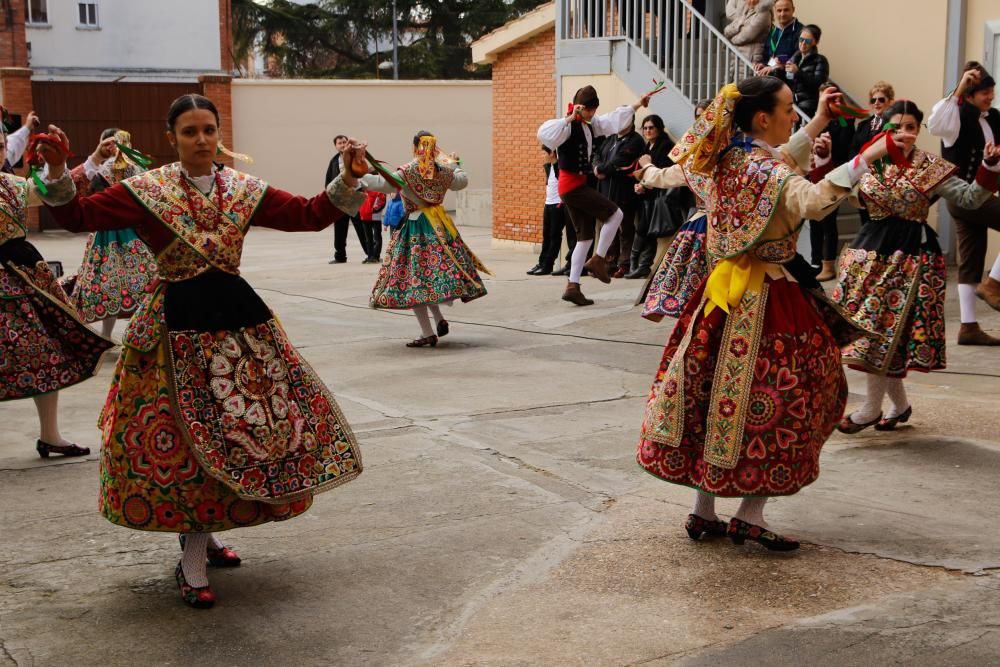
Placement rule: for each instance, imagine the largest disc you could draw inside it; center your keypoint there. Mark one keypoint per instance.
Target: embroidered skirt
(892, 283)
(426, 263)
(44, 346)
(116, 274)
(681, 272)
(794, 395)
(214, 421)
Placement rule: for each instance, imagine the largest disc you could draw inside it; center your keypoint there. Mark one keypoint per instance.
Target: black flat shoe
(850, 427)
(544, 271)
(889, 423)
(534, 271)
(637, 274)
(443, 328)
(564, 271)
(739, 531)
(698, 528)
(426, 341)
(44, 449)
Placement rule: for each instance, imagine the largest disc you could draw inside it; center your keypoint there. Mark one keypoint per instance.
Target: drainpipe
(954, 58)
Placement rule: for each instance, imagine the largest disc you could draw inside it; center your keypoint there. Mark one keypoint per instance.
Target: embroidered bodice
(430, 191)
(904, 193)
(747, 187)
(13, 207)
(208, 229)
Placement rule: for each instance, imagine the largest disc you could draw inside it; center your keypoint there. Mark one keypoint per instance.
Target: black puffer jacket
(814, 69)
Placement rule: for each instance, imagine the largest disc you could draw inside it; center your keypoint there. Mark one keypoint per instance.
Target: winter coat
(748, 28)
(814, 70)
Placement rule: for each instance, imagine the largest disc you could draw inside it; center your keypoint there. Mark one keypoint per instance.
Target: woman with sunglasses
(658, 147)
(892, 277)
(880, 98)
(807, 70)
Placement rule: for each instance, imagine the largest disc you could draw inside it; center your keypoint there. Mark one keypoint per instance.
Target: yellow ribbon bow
(730, 279)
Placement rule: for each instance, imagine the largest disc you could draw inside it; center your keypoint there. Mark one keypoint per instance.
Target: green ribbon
(134, 155)
(38, 181)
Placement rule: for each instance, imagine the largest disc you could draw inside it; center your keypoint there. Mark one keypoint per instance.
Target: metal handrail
(696, 58)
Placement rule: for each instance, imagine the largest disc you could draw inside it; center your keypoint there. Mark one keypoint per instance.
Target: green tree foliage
(338, 38)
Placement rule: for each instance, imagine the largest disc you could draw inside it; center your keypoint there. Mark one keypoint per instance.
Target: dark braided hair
(757, 94)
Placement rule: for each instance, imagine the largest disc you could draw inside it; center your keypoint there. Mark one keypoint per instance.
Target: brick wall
(524, 96)
(13, 39)
(226, 35)
(218, 88)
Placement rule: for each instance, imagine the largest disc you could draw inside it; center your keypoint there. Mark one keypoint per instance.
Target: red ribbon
(895, 153)
(32, 155)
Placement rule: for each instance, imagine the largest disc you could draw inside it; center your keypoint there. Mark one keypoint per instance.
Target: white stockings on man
(194, 562)
(578, 259)
(967, 303)
(608, 232)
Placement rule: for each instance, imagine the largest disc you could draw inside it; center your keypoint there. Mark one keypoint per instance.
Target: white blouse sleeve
(945, 121)
(554, 133)
(612, 123)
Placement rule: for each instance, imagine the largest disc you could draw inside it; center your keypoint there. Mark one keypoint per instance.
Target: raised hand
(354, 158)
(105, 150)
(822, 146)
(991, 154)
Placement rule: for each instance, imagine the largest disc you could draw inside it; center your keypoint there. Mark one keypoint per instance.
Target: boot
(598, 266)
(573, 294)
(828, 272)
(971, 334)
(989, 291)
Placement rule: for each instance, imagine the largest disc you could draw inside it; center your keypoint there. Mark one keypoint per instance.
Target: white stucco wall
(133, 35)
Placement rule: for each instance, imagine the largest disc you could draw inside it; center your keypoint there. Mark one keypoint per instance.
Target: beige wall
(288, 125)
(979, 12)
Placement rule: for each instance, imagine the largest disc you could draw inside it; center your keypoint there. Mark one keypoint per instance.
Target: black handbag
(670, 209)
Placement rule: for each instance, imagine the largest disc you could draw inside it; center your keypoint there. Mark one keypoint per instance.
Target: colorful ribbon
(381, 170)
(34, 158)
(730, 279)
(843, 111)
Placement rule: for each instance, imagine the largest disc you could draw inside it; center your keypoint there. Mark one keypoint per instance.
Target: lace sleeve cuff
(61, 191)
(345, 198)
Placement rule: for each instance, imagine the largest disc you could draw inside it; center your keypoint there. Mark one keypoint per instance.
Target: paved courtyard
(501, 519)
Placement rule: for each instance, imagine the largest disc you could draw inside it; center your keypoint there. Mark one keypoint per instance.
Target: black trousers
(340, 236)
(644, 246)
(372, 239)
(554, 221)
(824, 238)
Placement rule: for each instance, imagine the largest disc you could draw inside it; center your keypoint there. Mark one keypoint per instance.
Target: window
(36, 11)
(88, 14)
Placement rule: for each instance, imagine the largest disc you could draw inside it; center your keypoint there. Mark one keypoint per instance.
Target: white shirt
(17, 142)
(203, 183)
(946, 122)
(552, 188)
(554, 133)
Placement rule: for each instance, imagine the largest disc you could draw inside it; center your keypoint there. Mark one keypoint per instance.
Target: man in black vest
(573, 139)
(615, 169)
(341, 226)
(966, 121)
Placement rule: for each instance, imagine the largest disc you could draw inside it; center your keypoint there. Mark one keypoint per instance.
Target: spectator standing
(371, 222)
(824, 236)
(782, 41)
(807, 70)
(615, 171)
(554, 220)
(341, 226)
(880, 97)
(967, 122)
(658, 147)
(749, 23)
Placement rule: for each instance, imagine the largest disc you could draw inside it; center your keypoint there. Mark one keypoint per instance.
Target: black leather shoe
(638, 273)
(564, 271)
(544, 271)
(533, 271)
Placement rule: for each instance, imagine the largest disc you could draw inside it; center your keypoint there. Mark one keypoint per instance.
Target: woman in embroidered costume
(214, 421)
(428, 263)
(117, 268)
(684, 265)
(750, 385)
(892, 277)
(44, 346)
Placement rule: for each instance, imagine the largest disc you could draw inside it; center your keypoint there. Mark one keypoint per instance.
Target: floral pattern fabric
(117, 273)
(150, 477)
(682, 270)
(44, 346)
(900, 297)
(796, 396)
(424, 266)
(257, 417)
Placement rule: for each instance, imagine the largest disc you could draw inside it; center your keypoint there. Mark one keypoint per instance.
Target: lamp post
(395, 41)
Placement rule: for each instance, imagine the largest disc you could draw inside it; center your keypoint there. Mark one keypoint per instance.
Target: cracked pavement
(501, 519)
